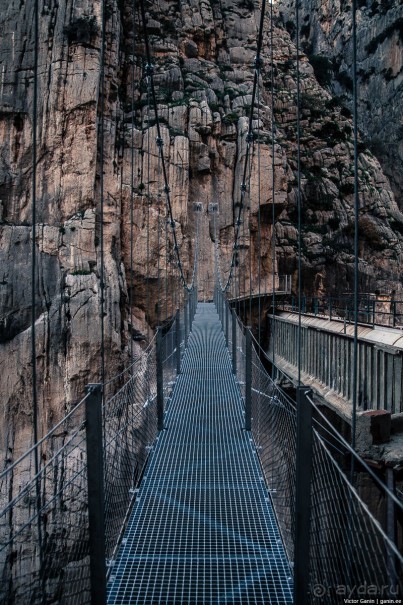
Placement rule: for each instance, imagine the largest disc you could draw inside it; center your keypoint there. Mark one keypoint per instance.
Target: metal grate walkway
(202, 530)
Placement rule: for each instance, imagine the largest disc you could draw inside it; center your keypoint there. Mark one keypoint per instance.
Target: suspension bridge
(198, 481)
(191, 476)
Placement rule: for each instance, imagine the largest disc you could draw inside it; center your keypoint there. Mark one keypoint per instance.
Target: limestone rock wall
(203, 74)
(326, 36)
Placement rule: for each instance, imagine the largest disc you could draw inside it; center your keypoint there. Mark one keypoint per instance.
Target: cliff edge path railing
(203, 529)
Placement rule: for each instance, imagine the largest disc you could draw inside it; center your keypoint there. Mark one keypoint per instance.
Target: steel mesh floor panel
(202, 530)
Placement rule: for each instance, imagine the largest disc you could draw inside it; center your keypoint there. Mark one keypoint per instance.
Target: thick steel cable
(356, 225)
(273, 235)
(132, 188)
(148, 205)
(259, 217)
(159, 302)
(166, 262)
(242, 265)
(250, 240)
(34, 218)
(298, 125)
(101, 93)
(35, 410)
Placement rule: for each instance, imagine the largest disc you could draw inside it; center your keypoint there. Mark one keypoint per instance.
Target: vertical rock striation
(326, 35)
(203, 73)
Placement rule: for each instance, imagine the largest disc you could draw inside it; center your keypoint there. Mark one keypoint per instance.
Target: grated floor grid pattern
(202, 530)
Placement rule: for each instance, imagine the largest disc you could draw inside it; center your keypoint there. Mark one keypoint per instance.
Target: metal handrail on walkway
(338, 546)
(59, 528)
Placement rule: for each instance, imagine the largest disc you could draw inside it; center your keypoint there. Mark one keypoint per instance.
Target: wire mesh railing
(274, 434)
(349, 553)
(77, 485)
(129, 430)
(350, 550)
(44, 540)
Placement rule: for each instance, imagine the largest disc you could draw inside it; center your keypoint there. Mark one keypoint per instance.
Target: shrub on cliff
(81, 30)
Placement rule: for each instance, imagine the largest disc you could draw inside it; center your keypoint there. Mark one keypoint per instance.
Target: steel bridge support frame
(303, 470)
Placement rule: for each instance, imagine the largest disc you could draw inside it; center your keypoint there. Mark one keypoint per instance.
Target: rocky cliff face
(203, 71)
(326, 36)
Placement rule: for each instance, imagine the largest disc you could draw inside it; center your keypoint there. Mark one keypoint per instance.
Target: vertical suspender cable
(299, 195)
(101, 214)
(273, 234)
(166, 262)
(259, 230)
(148, 208)
(33, 284)
(34, 194)
(159, 305)
(356, 211)
(132, 189)
(243, 264)
(250, 242)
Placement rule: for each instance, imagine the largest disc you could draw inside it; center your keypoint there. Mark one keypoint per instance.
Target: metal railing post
(226, 308)
(96, 496)
(391, 528)
(248, 381)
(190, 314)
(185, 313)
(160, 381)
(302, 497)
(178, 341)
(233, 342)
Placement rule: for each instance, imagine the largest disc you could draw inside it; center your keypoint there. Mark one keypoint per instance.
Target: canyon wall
(326, 36)
(203, 73)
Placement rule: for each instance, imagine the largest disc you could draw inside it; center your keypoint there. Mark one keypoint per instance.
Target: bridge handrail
(357, 457)
(372, 309)
(31, 450)
(45, 508)
(49, 508)
(342, 527)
